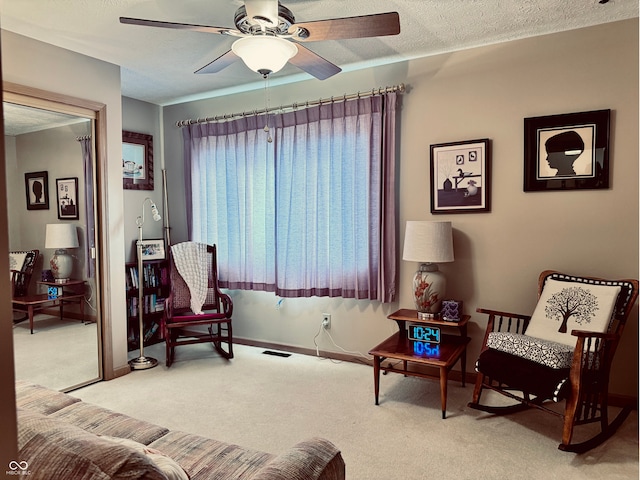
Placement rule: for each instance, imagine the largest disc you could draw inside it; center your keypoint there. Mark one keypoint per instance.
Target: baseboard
(345, 357)
(615, 400)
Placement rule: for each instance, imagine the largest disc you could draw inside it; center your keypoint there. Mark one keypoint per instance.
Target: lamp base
(61, 265)
(142, 363)
(429, 286)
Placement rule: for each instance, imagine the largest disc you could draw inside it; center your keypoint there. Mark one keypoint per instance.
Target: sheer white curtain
(311, 213)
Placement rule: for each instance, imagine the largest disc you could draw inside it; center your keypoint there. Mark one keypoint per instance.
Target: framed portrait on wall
(67, 193)
(137, 161)
(36, 185)
(460, 177)
(567, 152)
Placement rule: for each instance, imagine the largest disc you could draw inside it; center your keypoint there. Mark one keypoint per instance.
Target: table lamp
(61, 236)
(429, 243)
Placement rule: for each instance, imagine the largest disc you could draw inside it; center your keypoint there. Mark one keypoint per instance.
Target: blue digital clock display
(424, 333)
(424, 348)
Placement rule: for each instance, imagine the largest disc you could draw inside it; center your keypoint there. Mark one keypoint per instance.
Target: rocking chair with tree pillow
(562, 352)
(196, 311)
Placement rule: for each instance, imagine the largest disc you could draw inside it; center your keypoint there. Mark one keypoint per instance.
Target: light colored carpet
(270, 403)
(60, 353)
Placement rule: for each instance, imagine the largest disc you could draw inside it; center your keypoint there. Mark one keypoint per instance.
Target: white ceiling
(19, 119)
(158, 64)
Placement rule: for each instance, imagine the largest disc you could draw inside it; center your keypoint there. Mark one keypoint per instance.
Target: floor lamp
(142, 362)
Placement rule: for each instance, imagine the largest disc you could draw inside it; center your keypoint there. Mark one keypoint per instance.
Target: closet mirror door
(51, 204)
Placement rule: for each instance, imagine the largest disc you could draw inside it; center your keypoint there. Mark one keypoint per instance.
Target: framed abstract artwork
(567, 152)
(460, 177)
(67, 194)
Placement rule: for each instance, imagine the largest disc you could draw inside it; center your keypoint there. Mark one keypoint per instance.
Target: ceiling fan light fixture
(264, 54)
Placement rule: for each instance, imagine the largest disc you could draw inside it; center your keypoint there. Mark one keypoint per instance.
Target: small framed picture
(152, 249)
(567, 152)
(460, 177)
(67, 189)
(37, 189)
(137, 161)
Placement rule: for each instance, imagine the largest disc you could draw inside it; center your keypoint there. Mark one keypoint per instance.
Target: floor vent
(276, 354)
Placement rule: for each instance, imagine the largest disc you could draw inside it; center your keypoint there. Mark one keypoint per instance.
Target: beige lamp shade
(428, 242)
(61, 235)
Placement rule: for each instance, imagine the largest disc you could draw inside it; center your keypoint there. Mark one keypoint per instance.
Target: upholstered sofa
(60, 436)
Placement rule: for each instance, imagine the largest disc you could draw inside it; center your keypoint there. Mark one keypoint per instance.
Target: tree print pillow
(565, 306)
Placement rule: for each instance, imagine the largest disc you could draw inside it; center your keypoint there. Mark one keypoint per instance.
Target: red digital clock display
(424, 333)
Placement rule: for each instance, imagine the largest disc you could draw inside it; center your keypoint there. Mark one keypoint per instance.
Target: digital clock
(54, 292)
(424, 333)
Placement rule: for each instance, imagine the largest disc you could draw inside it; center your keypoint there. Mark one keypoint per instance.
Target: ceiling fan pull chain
(266, 108)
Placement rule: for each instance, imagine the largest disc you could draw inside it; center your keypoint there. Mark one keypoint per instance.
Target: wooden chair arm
(500, 321)
(588, 334)
(227, 304)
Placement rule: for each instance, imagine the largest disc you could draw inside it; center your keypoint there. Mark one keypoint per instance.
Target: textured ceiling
(19, 119)
(158, 64)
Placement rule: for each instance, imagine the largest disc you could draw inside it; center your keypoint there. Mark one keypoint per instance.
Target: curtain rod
(369, 93)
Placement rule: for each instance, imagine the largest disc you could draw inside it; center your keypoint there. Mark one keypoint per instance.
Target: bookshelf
(155, 283)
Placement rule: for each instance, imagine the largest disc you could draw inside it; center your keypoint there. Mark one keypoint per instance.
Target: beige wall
(478, 93)
(143, 117)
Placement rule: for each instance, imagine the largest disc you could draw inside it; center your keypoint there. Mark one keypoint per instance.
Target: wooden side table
(443, 355)
(72, 292)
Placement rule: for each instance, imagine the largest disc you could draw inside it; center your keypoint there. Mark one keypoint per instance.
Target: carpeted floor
(270, 403)
(59, 354)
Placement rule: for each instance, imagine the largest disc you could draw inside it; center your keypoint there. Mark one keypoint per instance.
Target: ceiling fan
(269, 37)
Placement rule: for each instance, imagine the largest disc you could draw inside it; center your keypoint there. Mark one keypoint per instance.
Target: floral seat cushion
(552, 354)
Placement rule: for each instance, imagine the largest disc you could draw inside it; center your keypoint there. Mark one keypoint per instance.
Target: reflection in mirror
(44, 158)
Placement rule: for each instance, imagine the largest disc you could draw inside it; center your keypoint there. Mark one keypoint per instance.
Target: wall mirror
(51, 144)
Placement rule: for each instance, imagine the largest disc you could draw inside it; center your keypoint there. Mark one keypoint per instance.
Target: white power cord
(352, 352)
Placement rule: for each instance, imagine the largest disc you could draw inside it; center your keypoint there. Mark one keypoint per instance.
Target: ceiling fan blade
(262, 12)
(223, 61)
(376, 25)
(314, 64)
(178, 26)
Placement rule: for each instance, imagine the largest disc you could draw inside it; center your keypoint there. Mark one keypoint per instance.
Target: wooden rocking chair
(181, 326)
(530, 360)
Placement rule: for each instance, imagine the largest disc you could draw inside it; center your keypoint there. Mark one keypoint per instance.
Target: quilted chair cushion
(564, 306)
(552, 354)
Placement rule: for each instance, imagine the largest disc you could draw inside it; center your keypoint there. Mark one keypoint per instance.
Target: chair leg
(169, 347)
(477, 389)
(600, 438)
(218, 338)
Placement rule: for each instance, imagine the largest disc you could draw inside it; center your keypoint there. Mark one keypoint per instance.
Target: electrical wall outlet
(326, 321)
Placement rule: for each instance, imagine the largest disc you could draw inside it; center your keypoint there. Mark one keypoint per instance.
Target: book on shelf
(149, 333)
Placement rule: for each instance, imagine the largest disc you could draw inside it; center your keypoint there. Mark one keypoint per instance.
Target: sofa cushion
(564, 306)
(166, 464)
(102, 421)
(311, 459)
(41, 399)
(55, 449)
(205, 458)
(551, 354)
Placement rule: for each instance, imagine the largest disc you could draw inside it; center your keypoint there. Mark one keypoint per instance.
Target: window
(311, 213)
